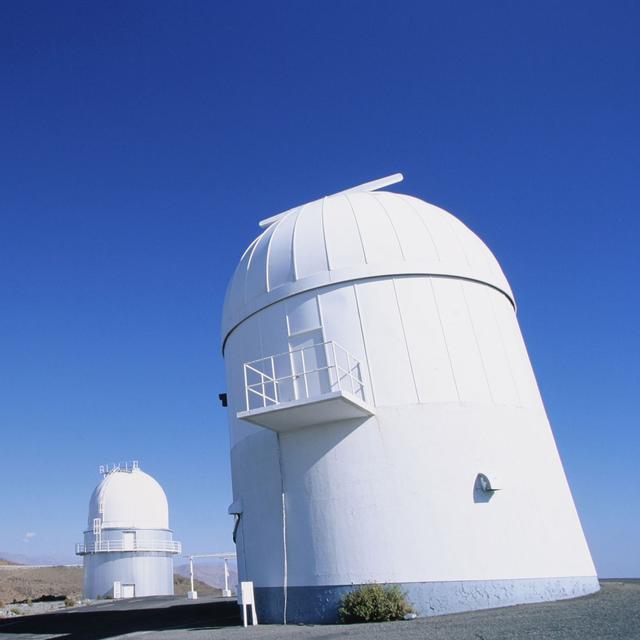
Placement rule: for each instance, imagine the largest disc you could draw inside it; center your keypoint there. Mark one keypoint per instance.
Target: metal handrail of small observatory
(339, 378)
(102, 546)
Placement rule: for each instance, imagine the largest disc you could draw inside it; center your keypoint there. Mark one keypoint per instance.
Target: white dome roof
(129, 499)
(353, 235)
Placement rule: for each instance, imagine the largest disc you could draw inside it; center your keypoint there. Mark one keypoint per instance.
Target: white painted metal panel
(280, 264)
(341, 323)
(449, 247)
(256, 279)
(462, 346)
(413, 234)
(517, 355)
(274, 339)
(309, 250)
(309, 364)
(303, 313)
(344, 245)
(239, 351)
(389, 366)
(492, 350)
(378, 235)
(425, 339)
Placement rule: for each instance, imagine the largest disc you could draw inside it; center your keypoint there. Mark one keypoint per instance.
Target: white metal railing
(303, 373)
(103, 546)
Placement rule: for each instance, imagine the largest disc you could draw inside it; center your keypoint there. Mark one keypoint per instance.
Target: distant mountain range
(20, 558)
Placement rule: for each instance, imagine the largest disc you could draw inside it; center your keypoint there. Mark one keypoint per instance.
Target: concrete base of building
(319, 605)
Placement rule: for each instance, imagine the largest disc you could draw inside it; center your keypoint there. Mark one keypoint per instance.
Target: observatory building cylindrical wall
(128, 547)
(385, 421)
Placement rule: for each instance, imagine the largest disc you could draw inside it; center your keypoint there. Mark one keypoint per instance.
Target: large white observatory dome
(354, 235)
(129, 500)
(385, 421)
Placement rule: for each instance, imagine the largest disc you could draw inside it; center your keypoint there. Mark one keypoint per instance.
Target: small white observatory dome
(132, 500)
(352, 235)
(128, 547)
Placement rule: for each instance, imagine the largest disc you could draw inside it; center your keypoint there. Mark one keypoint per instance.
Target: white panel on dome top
(280, 251)
(129, 499)
(344, 245)
(496, 365)
(378, 235)
(427, 348)
(470, 377)
(391, 376)
(328, 240)
(256, 280)
(309, 251)
(413, 233)
(476, 251)
(437, 220)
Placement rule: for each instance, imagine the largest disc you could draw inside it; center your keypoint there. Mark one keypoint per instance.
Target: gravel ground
(611, 614)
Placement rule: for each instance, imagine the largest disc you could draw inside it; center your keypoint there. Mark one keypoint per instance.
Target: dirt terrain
(20, 582)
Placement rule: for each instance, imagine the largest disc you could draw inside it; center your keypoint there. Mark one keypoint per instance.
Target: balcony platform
(305, 412)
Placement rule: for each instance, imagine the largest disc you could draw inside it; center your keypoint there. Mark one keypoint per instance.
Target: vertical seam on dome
(293, 242)
(355, 217)
(444, 337)
(249, 248)
(476, 340)
(364, 342)
(404, 339)
(268, 261)
(452, 226)
(423, 222)
(249, 262)
(324, 234)
(395, 231)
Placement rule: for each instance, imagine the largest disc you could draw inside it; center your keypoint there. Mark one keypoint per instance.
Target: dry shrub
(374, 603)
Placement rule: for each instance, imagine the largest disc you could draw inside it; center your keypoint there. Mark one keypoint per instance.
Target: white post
(246, 389)
(193, 594)
(226, 592)
(304, 374)
(275, 388)
(349, 369)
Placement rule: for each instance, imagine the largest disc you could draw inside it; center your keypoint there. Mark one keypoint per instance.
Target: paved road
(612, 614)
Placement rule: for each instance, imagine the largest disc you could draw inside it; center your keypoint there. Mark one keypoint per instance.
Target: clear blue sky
(140, 143)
